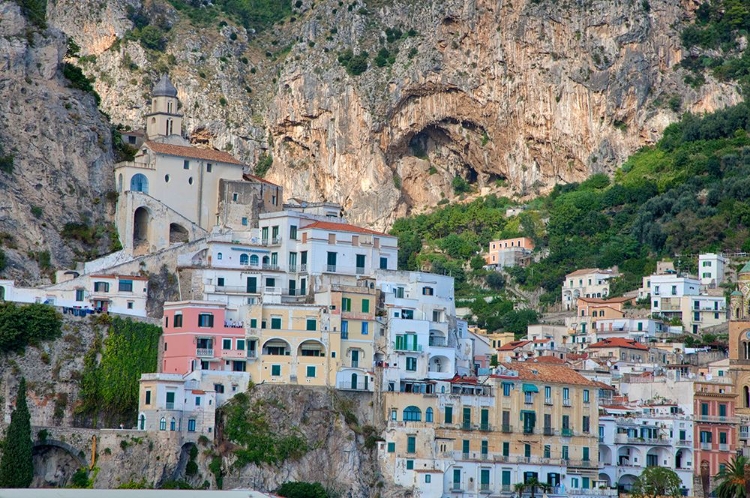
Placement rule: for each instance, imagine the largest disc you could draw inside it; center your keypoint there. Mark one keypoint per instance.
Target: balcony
(204, 352)
(466, 426)
(252, 354)
(408, 348)
(270, 267)
(331, 268)
(485, 427)
(649, 441)
(274, 241)
(233, 289)
(170, 405)
(506, 428)
(547, 401)
(745, 433)
(548, 431)
(716, 419)
(684, 442)
(705, 446)
(484, 487)
(566, 402)
(455, 487)
(528, 430)
(438, 342)
(360, 270)
(723, 447)
(566, 432)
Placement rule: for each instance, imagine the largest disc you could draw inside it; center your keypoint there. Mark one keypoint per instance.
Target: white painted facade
(711, 268)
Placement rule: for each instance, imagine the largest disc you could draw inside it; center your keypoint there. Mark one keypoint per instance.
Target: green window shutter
(365, 306)
(311, 324)
(448, 414)
(276, 323)
(391, 447)
(275, 370)
(311, 371)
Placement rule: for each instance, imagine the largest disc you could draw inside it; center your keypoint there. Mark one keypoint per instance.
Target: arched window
(142, 422)
(219, 256)
(428, 415)
(172, 424)
(243, 259)
(119, 183)
(412, 414)
(139, 183)
(254, 260)
(163, 424)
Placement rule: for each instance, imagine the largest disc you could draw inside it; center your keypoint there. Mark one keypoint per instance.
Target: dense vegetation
(247, 426)
(35, 11)
(23, 325)
(689, 193)
(16, 465)
(293, 489)
(720, 26)
(109, 386)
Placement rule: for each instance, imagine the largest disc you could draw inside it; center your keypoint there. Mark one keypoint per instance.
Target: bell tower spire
(164, 120)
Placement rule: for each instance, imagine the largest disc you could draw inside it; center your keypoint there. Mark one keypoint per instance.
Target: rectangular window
(365, 306)
(360, 260)
(191, 425)
(410, 465)
(383, 263)
(205, 320)
(185, 164)
(331, 261)
(427, 478)
(548, 392)
(411, 364)
(527, 450)
(704, 409)
(722, 438)
(346, 304)
(586, 398)
(178, 321)
(506, 448)
(311, 324)
(276, 323)
(197, 401)
(125, 286)
(101, 286)
(344, 329)
(79, 295)
(547, 451)
(585, 454)
(148, 397)
(394, 414)
(170, 401)
(209, 167)
(566, 393)
(310, 371)
(467, 416)
(506, 389)
(411, 444)
(226, 344)
(722, 410)
(448, 414)
(220, 282)
(565, 452)
(365, 328)
(244, 221)
(293, 232)
(276, 370)
(391, 447)
(586, 424)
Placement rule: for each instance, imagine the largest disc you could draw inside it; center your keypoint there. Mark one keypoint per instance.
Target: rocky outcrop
(512, 96)
(62, 147)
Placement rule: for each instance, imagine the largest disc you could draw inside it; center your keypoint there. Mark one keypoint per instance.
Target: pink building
(715, 425)
(510, 252)
(197, 335)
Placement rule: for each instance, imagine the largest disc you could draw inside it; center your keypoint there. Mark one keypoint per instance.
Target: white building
(676, 296)
(587, 282)
(711, 269)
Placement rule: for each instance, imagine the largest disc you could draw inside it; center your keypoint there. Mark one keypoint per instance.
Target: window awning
(530, 388)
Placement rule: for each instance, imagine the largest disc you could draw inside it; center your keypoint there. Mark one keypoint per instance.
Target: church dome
(736, 293)
(164, 88)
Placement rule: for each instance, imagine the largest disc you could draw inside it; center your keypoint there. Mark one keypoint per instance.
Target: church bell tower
(164, 120)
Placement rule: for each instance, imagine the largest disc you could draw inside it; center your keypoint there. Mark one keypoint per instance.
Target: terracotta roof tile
(585, 271)
(194, 152)
(513, 345)
(548, 359)
(544, 372)
(343, 227)
(602, 385)
(619, 342)
(596, 300)
(253, 178)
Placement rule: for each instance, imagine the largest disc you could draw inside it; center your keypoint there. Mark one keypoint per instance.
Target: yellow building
(530, 420)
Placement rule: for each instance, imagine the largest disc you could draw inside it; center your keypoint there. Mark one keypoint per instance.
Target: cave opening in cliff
(428, 140)
(470, 174)
(496, 178)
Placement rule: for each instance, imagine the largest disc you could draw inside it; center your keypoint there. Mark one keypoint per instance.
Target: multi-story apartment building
(419, 315)
(675, 296)
(711, 269)
(620, 349)
(715, 425)
(510, 252)
(587, 282)
(528, 420)
(632, 438)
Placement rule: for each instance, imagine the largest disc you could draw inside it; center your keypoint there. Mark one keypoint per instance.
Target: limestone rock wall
(513, 96)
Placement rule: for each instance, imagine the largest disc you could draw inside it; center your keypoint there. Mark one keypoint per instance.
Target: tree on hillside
(16, 466)
(657, 481)
(731, 478)
(292, 489)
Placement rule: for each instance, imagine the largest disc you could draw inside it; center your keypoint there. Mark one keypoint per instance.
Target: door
(355, 358)
(354, 381)
(303, 287)
(366, 381)
(360, 263)
(252, 285)
(485, 419)
(292, 287)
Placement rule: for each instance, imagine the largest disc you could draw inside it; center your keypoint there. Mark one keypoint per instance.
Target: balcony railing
(650, 441)
(331, 268)
(484, 487)
(411, 347)
(170, 405)
(744, 433)
(566, 432)
(252, 353)
(204, 352)
(270, 267)
(466, 426)
(455, 486)
(506, 428)
(547, 401)
(548, 431)
(485, 427)
(716, 419)
(705, 446)
(566, 402)
(723, 447)
(684, 442)
(438, 341)
(360, 270)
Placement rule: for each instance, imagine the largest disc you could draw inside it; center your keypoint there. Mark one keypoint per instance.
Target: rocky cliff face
(512, 96)
(61, 146)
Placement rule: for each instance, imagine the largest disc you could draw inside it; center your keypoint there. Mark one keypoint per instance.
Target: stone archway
(55, 463)
(178, 233)
(141, 228)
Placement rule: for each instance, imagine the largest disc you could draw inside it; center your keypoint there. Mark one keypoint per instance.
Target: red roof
(194, 152)
(602, 385)
(343, 227)
(548, 359)
(253, 178)
(619, 342)
(513, 345)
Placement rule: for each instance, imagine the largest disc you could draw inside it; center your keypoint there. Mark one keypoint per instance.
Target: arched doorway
(178, 233)
(354, 381)
(139, 183)
(141, 222)
(141, 422)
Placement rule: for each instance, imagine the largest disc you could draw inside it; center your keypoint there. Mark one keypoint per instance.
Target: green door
(252, 285)
(485, 419)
